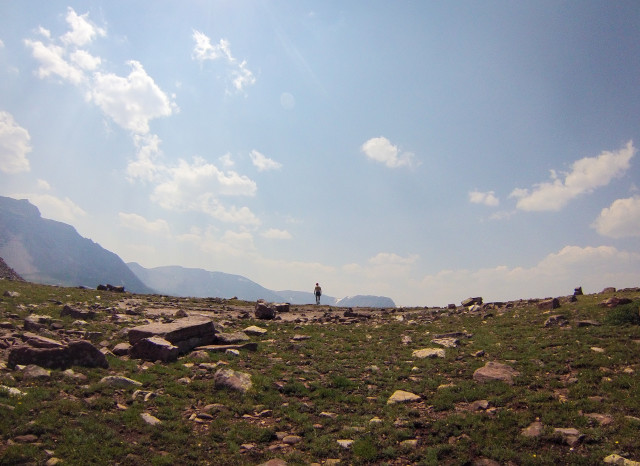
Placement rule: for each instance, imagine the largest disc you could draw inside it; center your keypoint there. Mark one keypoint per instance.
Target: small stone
(345, 443)
(120, 381)
(410, 443)
(602, 419)
(255, 330)
(150, 419)
(400, 396)
(429, 353)
(232, 352)
(375, 420)
(28, 438)
(533, 430)
(291, 439)
(620, 460)
(35, 372)
(597, 349)
(447, 342)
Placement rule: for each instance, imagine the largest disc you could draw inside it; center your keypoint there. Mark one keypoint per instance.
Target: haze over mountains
(51, 252)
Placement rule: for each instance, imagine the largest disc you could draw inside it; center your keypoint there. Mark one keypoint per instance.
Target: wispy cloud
(204, 50)
(262, 162)
(489, 198)
(620, 220)
(273, 233)
(139, 223)
(381, 150)
(14, 145)
(586, 175)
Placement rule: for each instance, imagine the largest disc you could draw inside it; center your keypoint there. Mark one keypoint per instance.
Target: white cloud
(199, 185)
(240, 75)
(381, 150)
(488, 198)
(226, 160)
(586, 175)
(620, 220)
(139, 223)
(14, 145)
(43, 185)
(85, 60)
(274, 233)
(63, 210)
(204, 50)
(145, 167)
(230, 243)
(558, 274)
(52, 62)
(386, 258)
(82, 30)
(263, 163)
(130, 101)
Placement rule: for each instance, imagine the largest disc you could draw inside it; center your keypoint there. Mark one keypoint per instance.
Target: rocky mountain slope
(46, 251)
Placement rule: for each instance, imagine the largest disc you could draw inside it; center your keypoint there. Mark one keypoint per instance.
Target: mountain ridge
(50, 252)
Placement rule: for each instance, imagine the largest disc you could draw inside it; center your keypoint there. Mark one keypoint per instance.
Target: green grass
(330, 386)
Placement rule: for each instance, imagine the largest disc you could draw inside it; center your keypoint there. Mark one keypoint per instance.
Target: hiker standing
(318, 292)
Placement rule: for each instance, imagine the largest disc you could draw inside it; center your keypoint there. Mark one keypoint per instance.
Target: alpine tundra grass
(320, 388)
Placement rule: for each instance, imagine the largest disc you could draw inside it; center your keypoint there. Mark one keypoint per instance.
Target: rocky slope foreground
(99, 377)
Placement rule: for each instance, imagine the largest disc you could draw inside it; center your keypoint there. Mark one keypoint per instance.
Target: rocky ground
(104, 377)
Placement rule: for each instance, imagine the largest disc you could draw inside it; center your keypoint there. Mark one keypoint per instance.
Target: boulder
(556, 321)
(76, 353)
(282, 307)
(121, 349)
(549, 304)
(495, 371)
(471, 301)
(154, 349)
(77, 313)
(186, 333)
(264, 311)
(254, 330)
(609, 289)
(615, 302)
(577, 291)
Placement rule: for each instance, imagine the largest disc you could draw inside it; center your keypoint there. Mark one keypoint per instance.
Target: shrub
(627, 314)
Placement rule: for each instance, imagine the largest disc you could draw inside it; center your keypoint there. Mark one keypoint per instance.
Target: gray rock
(495, 371)
(154, 349)
(150, 419)
(77, 313)
(119, 381)
(429, 353)
(549, 304)
(471, 301)
(76, 353)
(35, 372)
(231, 338)
(556, 321)
(121, 349)
(533, 430)
(186, 333)
(264, 311)
(400, 396)
(234, 380)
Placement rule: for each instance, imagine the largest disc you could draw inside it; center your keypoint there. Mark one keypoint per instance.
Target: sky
(426, 151)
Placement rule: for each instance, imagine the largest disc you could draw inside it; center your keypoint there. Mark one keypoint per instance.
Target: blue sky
(426, 151)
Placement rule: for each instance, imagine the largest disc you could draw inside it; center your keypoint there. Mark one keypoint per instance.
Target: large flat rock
(185, 333)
